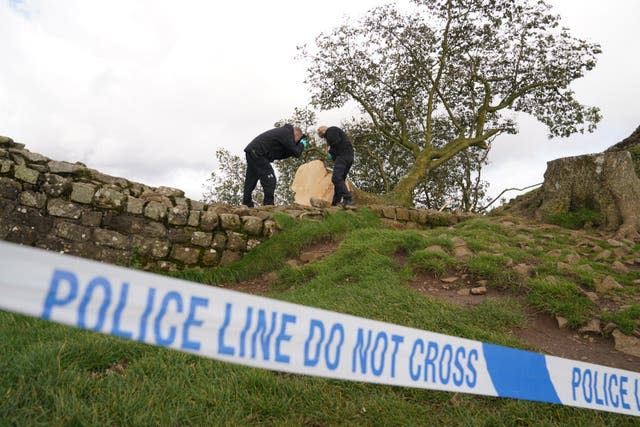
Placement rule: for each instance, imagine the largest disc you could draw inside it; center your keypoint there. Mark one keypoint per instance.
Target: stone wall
(68, 207)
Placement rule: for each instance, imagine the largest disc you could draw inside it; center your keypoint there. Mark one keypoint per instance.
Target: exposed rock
(449, 279)
(480, 290)
(562, 322)
(523, 269)
(619, 267)
(573, 259)
(593, 327)
(607, 284)
(626, 344)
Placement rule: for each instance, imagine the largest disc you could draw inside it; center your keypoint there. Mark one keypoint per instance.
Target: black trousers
(259, 169)
(341, 168)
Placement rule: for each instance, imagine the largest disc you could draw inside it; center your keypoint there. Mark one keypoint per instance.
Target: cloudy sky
(148, 89)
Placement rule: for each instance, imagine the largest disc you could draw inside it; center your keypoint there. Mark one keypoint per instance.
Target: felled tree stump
(605, 182)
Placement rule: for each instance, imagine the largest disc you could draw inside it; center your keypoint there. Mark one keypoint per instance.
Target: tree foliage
(449, 75)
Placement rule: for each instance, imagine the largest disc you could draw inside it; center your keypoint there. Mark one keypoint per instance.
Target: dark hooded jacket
(275, 144)
(339, 143)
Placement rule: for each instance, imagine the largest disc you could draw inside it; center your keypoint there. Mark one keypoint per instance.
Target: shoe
(347, 203)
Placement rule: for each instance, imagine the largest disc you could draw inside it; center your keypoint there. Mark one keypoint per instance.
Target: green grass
(560, 297)
(627, 319)
(56, 375)
(577, 219)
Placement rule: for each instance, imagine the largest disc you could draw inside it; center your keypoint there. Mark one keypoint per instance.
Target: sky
(149, 89)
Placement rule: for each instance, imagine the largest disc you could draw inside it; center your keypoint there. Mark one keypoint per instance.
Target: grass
(57, 375)
(577, 219)
(627, 319)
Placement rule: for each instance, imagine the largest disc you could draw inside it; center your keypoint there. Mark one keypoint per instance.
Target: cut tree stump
(605, 182)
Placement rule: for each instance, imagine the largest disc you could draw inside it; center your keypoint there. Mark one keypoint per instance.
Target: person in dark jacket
(341, 152)
(275, 144)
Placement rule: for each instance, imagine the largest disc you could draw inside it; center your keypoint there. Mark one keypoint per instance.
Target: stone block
(229, 257)
(56, 185)
(179, 235)
(178, 215)
(71, 231)
(33, 199)
(251, 225)
(402, 214)
(155, 211)
(64, 167)
(170, 192)
(389, 212)
(64, 209)
(26, 174)
(270, 227)
(82, 192)
(201, 238)
(135, 205)
(230, 222)
(91, 218)
(154, 229)
(194, 218)
(123, 223)
(210, 258)
(109, 198)
(236, 241)
(110, 238)
(185, 254)
(219, 241)
(209, 220)
(9, 189)
(5, 166)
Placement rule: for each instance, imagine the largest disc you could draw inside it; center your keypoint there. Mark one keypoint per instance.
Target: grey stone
(201, 238)
(82, 192)
(64, 167)
(194, 218)
(32, 157)
(25, 174)
(154, 229)
(62, 208)
(185, 254)
(230, 222)
(5, 166)
(270, 227)
(208, 220)
(56, 185)
(480, 290)
(593, 327)
(135, 205)
(70, 231)
(607, 284)
(196, 206)
(110, 238)
(219, 241)
(573, 259)
(619, 267)
(9, 189)
(229, 257)
(178, 215)
(108, 198)
(236, 241)
(91, 218)
(252, 225)
(170, 192)
(108, 179)
(210, 258)
(626, 344)
(562, 322)
(155, 210)
(32, 199)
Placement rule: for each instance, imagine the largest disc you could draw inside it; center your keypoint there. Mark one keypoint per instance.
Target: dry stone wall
(71, 208)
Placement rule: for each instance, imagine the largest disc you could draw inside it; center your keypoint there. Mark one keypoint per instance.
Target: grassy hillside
(56, 375)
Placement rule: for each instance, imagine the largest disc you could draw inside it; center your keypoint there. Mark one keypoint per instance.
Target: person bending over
(341, 152)
(275, 144)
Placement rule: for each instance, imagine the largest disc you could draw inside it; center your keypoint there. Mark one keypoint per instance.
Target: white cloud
(149, 89)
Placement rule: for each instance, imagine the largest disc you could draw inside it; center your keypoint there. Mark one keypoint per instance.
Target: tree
(380, 166)
(450, 75)
(227, 184)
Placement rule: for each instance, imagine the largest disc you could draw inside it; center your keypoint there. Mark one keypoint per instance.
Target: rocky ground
(593, 343)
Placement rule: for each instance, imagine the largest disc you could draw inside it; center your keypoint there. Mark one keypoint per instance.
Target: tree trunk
(606, 183)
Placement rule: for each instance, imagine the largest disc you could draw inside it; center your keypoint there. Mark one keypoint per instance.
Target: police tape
(260, 332)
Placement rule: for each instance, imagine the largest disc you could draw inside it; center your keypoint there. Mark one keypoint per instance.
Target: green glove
(329, 156)
(304, 142)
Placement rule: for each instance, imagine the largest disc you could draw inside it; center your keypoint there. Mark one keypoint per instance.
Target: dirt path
(541, 332)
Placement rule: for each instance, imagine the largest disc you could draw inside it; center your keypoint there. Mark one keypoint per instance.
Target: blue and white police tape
(261, 332)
